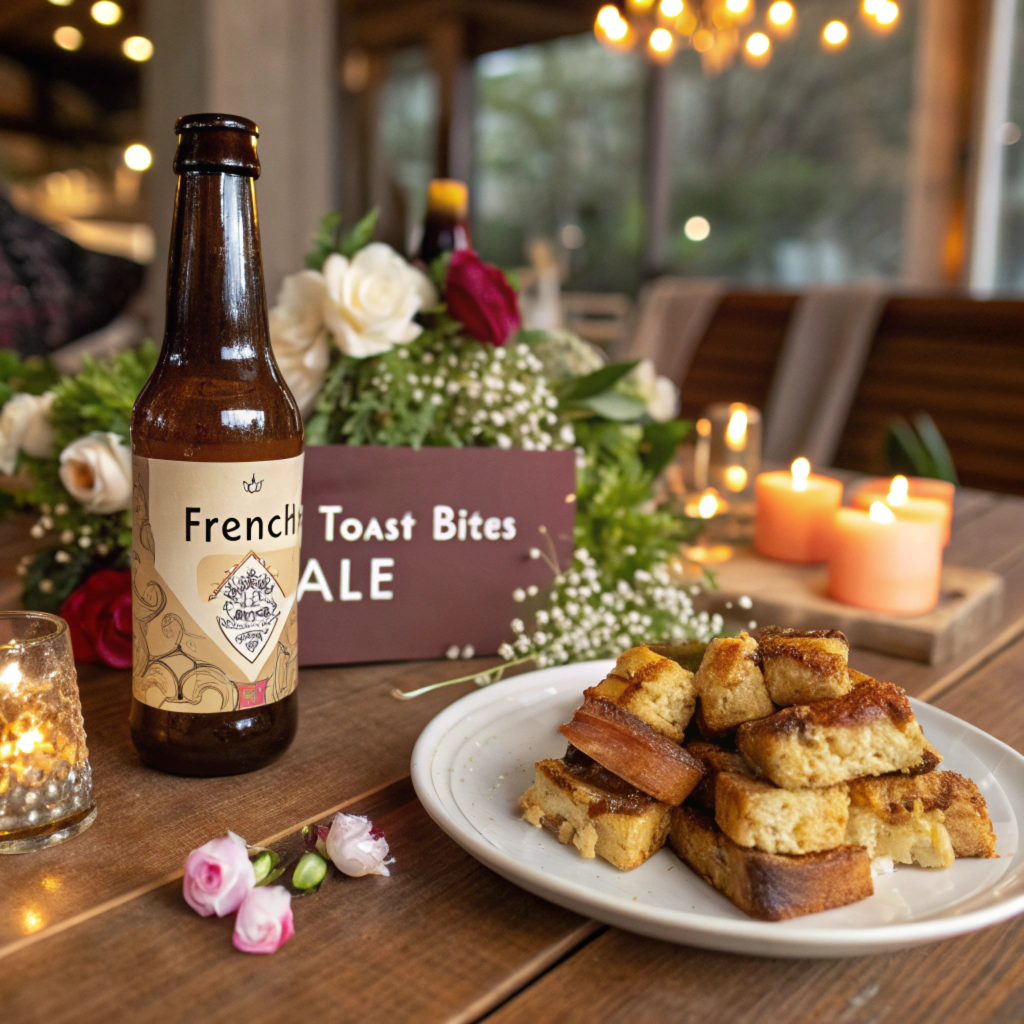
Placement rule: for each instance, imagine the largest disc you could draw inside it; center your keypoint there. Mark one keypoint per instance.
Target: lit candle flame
(708, 505)
(881, 513)
(735, 478)
(27, 743)
(703, 427)
(898, 491)
(11, 675)
(33, 920)
(801, 470)
(736, 431)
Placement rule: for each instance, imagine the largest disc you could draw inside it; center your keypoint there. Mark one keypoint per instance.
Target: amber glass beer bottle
(446, 227)
(217, 466)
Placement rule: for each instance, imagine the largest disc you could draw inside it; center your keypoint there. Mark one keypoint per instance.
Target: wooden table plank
(448, 940)
(441, 939)
(353, 738)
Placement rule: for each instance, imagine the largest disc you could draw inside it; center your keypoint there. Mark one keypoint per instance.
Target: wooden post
(274, 61)
(447, 45)
(658, 171)
(935, 220)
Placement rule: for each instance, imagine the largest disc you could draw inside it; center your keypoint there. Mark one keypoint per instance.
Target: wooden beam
(657, 169)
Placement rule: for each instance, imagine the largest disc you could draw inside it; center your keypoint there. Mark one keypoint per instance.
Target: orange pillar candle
(795, 511)
(907, 506)
(882, 562)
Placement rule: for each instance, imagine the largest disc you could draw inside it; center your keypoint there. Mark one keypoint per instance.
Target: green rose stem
(309, 872)
(480, 678)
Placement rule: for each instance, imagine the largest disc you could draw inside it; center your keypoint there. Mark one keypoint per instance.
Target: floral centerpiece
(378, 351)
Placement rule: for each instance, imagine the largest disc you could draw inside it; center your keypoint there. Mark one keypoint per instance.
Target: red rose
(99, 617)
(479, 296)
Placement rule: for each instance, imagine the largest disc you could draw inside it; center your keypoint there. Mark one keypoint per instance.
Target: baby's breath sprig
(591, 614)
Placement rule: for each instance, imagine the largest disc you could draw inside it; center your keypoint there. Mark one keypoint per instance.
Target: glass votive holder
(728, 451)
(45, 778)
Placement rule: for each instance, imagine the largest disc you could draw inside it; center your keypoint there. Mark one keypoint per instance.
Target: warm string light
(712, 28)
(801, 470)
(708, 505)
(736, 478)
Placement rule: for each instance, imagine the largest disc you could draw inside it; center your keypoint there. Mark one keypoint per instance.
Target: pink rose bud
(217, 876)
(264, 921)
(356, 847)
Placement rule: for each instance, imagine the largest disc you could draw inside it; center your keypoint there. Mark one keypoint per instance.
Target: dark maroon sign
(405, 553)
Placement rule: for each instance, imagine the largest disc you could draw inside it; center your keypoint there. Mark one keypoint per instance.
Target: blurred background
(691, 180)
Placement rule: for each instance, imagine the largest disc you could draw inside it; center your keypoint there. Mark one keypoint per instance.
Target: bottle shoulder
(184, 415)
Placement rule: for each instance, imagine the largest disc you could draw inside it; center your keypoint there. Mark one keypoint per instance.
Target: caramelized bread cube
(930, 760)
(632, 750)
(730, 686)
(584, 804)
(801, 667)
(892, 814)
(752, 812)
(870, 731)
(770, 886)
(656, 689)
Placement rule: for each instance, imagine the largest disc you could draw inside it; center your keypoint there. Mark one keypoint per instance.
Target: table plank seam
(531, 972)
(118, 901)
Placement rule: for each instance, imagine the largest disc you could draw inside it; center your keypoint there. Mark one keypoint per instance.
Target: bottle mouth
(216, 144)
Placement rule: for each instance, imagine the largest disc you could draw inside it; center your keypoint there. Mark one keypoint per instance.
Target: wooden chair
(962, 361)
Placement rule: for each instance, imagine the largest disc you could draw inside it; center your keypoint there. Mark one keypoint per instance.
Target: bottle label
(215, 566)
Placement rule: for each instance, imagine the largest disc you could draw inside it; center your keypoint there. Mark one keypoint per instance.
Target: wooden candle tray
(785, 594)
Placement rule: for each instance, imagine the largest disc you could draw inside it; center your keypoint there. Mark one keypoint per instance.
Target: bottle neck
(442, 232)
(216, 300)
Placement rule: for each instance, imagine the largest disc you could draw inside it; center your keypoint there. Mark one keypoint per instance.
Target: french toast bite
(730, 686)
(769, 886)
(754, 813)
(800, 667)
(923, 819)
(869, 731)
(631, 749)
(600, 814)
(656, 689)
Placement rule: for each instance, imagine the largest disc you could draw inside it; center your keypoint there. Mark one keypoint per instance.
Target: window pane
(799, 167)
(559, 141)
(408, 131)
(1010, 267)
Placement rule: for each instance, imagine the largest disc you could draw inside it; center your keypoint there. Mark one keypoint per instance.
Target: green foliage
(101, 395)
(918, 449)
(329, 238)
(614, 520)
(33, 375)
(443, 389)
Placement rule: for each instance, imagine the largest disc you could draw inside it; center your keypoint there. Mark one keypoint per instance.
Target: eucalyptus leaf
(936, 447)
(597, 382)
(360, 235)
(612, 405)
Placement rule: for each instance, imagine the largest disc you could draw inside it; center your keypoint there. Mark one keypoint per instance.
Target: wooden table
(97, 929)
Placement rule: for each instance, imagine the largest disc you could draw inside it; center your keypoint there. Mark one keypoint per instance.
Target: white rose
(372, 299)
(299, 337)
(25, 426)
(658, 393)
(97, 471)
(354, 848)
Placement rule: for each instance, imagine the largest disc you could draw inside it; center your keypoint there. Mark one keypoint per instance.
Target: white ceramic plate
(476, 758)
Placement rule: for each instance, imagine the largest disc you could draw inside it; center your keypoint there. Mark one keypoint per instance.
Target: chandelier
(720, 29)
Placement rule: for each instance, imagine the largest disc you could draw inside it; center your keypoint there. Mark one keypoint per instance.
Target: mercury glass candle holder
(45, 778)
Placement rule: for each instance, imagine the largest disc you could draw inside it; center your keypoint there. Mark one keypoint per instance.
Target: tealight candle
(795, 511)
(879, 488)
(45, 779)
(885, 563)
(906, 506)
